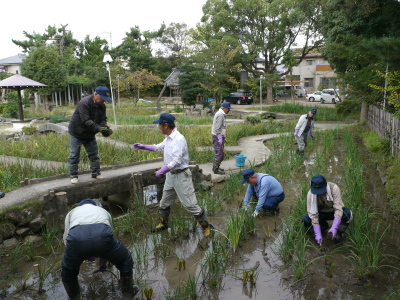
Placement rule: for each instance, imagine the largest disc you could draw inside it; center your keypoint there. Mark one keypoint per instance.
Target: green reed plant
(16, 256)
(211, 202)
(235, 228)
(180, 226)
(148, 293)
(215, 261)
(49, 234)
(20, 283)
(43, 271)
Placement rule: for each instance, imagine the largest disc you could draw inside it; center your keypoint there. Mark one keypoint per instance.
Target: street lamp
(107, 59)
(261, 78)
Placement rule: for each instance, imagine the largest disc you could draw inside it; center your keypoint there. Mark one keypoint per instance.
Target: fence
(386, 126)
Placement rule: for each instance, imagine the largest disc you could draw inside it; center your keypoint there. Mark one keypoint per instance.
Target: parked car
(239, 98)
(322, 97)
(333, 92)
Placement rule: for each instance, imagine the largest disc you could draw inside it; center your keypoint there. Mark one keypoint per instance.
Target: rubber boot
(128, 289)
(161, 226)
(72, 288)
(207, 228)
(216, 169)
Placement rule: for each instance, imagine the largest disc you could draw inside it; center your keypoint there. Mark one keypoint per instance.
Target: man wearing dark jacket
(88, 119)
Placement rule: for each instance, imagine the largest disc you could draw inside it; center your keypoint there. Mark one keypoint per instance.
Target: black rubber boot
(161, 226)
(72, 288)
(128, 289)
(207, 228)
(216, 169)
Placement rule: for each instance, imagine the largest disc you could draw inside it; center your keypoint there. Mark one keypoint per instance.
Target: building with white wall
(12, 64)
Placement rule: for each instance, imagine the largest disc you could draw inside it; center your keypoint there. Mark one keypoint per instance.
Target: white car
(321, 97)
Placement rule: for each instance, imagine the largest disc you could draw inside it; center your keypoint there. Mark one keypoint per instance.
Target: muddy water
(274, 281)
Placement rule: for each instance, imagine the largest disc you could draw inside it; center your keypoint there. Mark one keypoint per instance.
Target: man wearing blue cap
(88, 119)
(88, 233)
(218, 132)
(304, 128)
(178, 182)
(265, 188)
(324, 203)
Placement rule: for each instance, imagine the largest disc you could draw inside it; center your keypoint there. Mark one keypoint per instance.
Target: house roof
(13, 60)
(173, 78)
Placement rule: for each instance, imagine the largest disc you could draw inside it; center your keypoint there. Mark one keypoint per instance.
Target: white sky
(88, 17)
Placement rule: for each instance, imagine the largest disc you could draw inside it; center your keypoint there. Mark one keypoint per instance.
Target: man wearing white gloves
(265, 188)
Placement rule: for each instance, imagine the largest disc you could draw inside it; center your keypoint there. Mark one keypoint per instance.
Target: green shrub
(2, 107)
(253, 119)
(29, 130)
(375, 143)
(348, 107)
(57, 119)
(178, 109)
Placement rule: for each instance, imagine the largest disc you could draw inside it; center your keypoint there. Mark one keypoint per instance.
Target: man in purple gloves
(178, 182)
(218, 132)
(324, 203)
(303, 129)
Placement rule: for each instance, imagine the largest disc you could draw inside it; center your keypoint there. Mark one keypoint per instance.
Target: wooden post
(137, 188)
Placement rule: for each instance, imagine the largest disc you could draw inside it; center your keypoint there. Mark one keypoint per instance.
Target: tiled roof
(13, 60)
(173, 78)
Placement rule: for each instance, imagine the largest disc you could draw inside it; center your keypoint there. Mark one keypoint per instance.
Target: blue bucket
(240, 160)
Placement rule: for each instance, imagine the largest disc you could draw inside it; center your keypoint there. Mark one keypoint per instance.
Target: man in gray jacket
(218, 132)
(88, 119)
(303, 129)
(88, 233)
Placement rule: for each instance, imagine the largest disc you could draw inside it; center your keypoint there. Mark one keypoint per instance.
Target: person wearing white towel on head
(324, 203)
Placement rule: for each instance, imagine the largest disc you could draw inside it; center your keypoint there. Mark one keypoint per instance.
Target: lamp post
(261, 78)
(107, 59)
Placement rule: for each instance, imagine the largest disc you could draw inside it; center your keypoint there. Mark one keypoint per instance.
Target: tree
(142, 80)
(136, 49)
(261, 27)
(45, 65)
(362, 38)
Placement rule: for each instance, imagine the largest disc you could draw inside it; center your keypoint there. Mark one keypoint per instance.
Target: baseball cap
(104, 93)
(247, 174)
(313, 110)
(87, 201)
(318, 185)
(226, 105)
(165, 118)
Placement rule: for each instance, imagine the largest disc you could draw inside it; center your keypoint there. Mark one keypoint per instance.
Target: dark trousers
(218, 149)
(272, 202)
(96, 240)
(323, 217)
(75, 153)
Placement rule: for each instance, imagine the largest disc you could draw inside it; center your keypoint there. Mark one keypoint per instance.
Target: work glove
(317, 232)
(312, 134)
(334, 228)
(138, 146)
(255, 214)
(102, 265)
(296, 132)
(245, 207)
(220, 139)
(106, 131)
(162, 171)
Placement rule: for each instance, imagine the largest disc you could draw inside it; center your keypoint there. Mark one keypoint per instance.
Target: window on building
(309, 82)
(310, 62)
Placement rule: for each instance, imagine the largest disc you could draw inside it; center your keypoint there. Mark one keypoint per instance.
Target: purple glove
(334, 228)
(296, 132)
(317, 232)
(162, 171)
(220, 139)
(312, 134)
(138, 146)
(102, 265)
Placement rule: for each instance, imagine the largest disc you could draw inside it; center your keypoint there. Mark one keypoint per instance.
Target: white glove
(255, 214)
(245, 207)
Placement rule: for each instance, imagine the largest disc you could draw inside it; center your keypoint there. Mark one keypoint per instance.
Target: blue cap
(247, 174)
(104, 93)
(87, 201)
(313, 110)
(318, 185)
(165, 118)
(226, 105)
